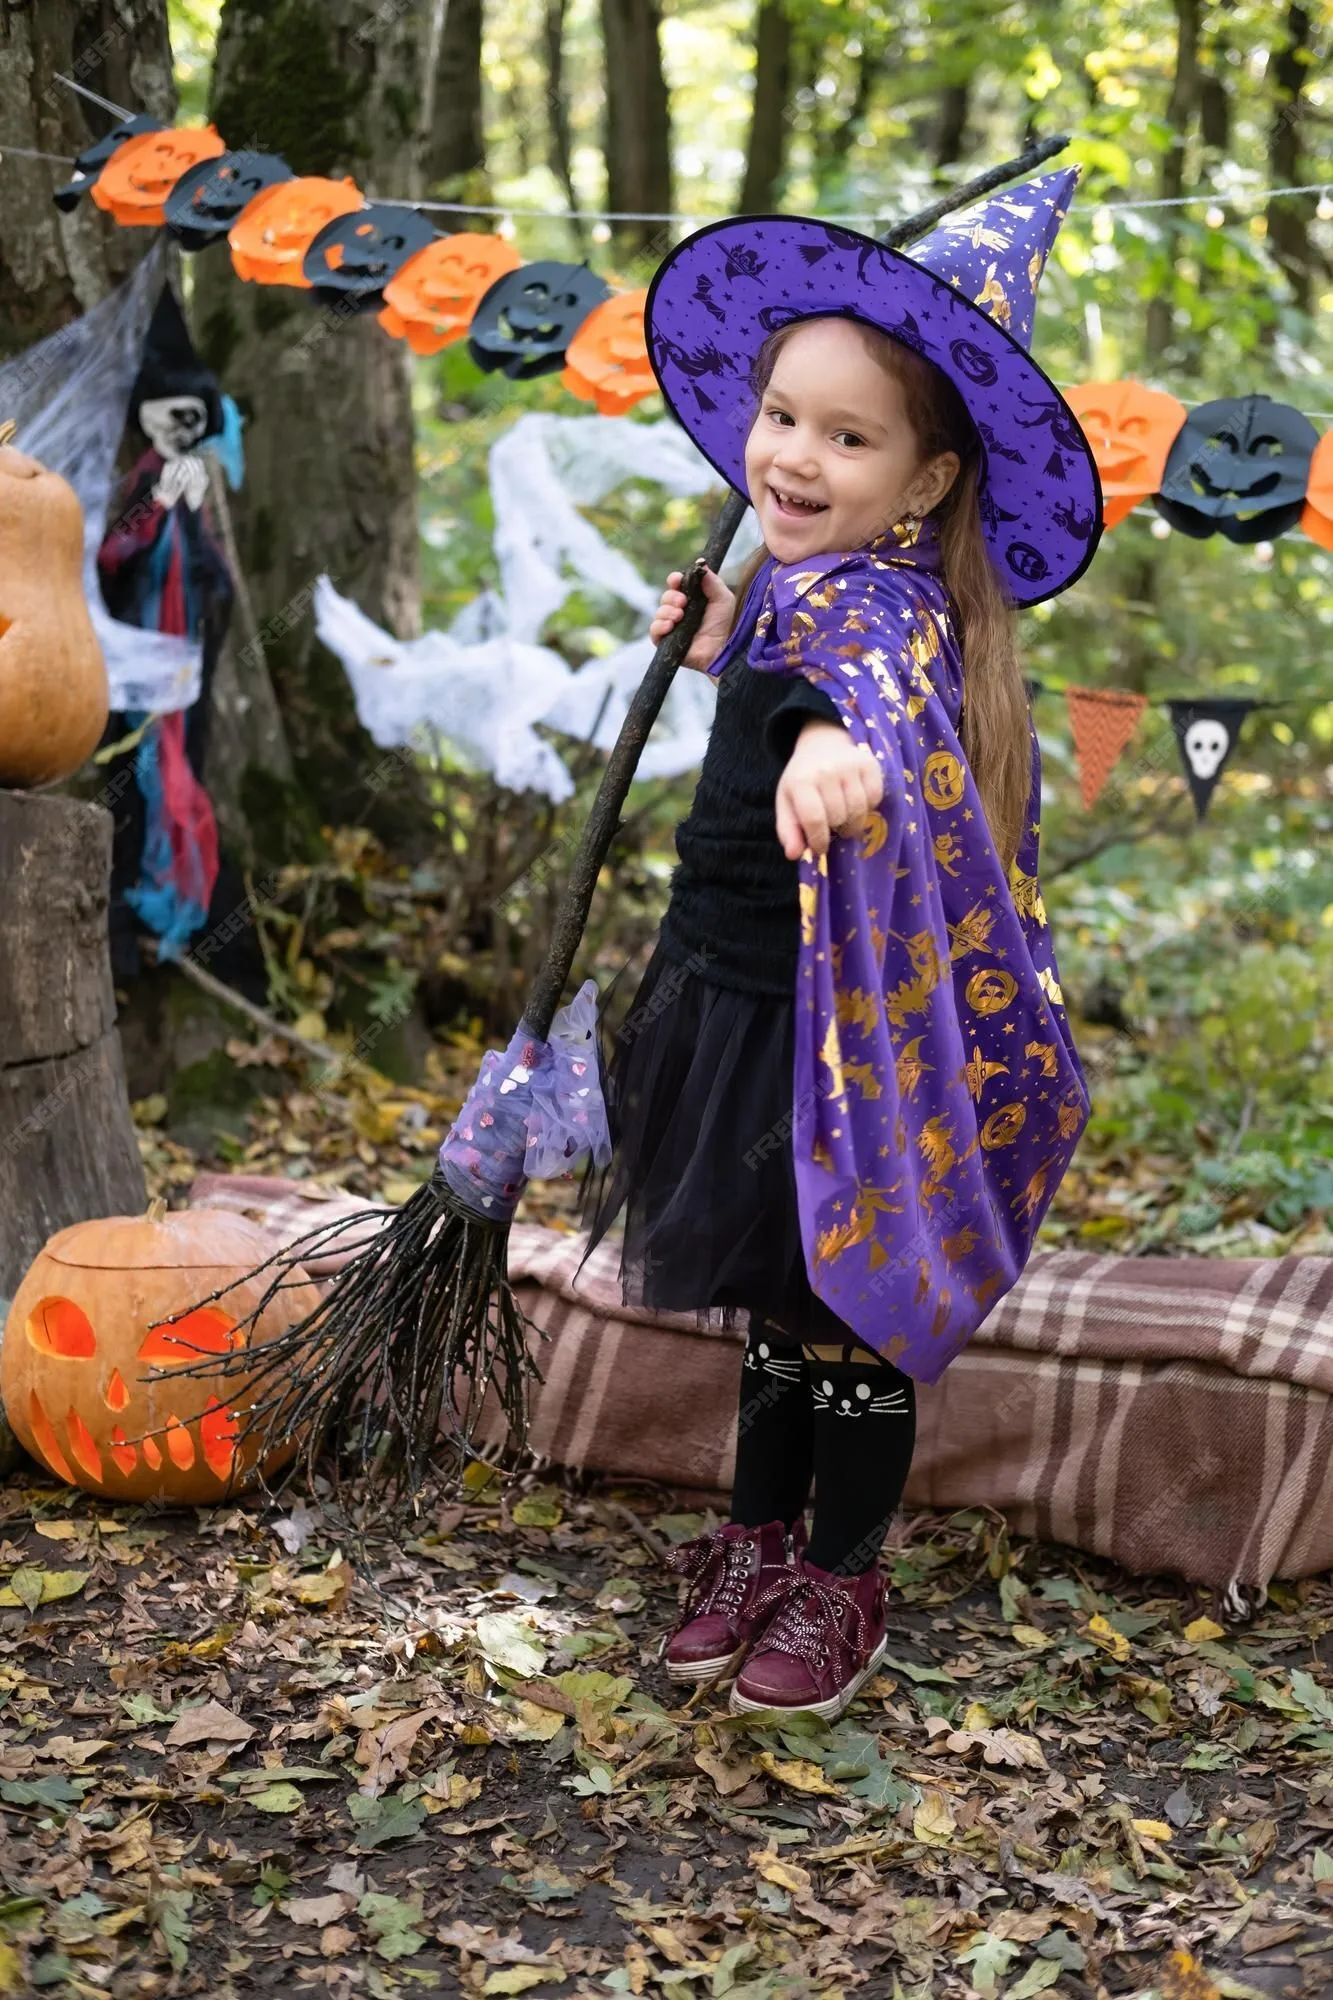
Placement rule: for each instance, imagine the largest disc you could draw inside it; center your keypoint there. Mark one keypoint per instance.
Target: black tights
(837, 1413)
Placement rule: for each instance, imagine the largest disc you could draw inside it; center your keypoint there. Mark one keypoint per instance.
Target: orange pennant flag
(1103, 720)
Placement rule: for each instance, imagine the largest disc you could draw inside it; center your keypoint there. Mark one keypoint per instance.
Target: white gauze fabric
(69, 395)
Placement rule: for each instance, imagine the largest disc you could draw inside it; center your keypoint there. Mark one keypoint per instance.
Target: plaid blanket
(1173, 1414)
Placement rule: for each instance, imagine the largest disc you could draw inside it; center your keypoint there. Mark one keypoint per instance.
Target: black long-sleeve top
(734, 892)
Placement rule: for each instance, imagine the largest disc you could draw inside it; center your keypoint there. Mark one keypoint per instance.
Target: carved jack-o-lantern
(431, 300)
(269, 241)
(53, 691)
(1131, 430)
(80, 1367)
(607, 360)
(134, 184)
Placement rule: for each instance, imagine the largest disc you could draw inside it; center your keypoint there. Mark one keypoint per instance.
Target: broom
(421, 1323)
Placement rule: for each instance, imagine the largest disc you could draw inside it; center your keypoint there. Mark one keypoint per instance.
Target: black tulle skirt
(698, 1085)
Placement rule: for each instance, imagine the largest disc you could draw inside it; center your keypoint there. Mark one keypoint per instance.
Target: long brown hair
(995, 728)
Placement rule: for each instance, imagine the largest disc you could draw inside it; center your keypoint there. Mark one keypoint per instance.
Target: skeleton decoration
(1207, 732)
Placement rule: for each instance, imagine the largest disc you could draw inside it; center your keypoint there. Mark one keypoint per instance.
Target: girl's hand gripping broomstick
(421, 1323)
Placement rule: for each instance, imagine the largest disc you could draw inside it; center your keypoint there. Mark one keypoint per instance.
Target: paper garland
(324, 236)
(1207, 732)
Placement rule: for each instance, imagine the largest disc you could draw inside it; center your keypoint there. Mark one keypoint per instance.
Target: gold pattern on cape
(948, 852)
(858, 1009)
(1045, 1054)
(1003, 1126)
(1027, 895)
(867, 1204)
(990, 992)
(961, 1244)
(1068, 1117)
(972, 932)
(1030, 1200)
(978, 1073)
(911, 1066)
(942, 780)
(935, 1144)
(831, 1056)
(863, 1076)
(1050, 985)
(874, 834)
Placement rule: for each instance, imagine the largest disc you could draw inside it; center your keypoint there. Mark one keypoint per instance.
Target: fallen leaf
(933, 1820)
(798, 1773)
(1151, 1829)
(1183, 1978)
(317, 1909)
(507, 1640)
(1203, 1628)
(728, 1776)
(34, 1587)
(537, 1510)
(782, 1874)
(275, 1799)
(386, 1752)
(1040, 1976)
(208, 1722)
(1103, 1633)
(518, 1978)
(1029, 1635)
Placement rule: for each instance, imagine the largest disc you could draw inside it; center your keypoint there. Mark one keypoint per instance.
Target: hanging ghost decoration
(93, 158)
(1207, 732)
(527, 319)
(210, 197)
(1239, 468)
(355, 255)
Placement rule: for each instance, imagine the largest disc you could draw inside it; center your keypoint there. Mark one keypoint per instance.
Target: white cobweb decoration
(485, 683)
(69, 395)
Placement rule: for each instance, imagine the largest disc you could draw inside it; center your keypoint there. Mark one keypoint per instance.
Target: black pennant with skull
(1207, 732)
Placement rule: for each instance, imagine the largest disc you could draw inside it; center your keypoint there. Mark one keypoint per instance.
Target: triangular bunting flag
(1207, 732)
(1103, 720)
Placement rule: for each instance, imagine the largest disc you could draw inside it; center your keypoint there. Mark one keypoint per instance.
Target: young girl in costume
(846, 1090)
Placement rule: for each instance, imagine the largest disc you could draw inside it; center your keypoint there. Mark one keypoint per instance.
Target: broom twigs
(571, 917)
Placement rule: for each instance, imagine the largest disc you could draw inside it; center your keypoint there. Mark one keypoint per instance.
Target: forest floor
(259, 1748)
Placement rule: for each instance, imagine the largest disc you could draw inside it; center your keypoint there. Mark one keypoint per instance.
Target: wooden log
(67, 1144)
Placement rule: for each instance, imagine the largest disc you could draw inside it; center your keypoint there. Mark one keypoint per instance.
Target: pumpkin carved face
(134, 184)
(607, 360)
(431, 299)
(353, 257)
(527, 319)
(211, 197)
(1239, 468)
(1131, 430)
(1317, 513)
(87, 1376)
(93, 158)
(53, 689)
(270, 238)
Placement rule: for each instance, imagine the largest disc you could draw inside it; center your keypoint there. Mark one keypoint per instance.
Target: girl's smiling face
(832, 460)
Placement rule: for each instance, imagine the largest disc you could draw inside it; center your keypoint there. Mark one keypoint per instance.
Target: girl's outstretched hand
(829, 786)
(709, 640)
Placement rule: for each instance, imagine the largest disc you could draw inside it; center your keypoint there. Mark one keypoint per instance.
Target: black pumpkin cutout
(209, 198)
(93, 158)
(1239, 467)
(524, 323)
(352, 258)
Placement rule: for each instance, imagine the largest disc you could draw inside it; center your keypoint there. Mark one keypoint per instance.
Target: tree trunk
(330, 482)
(55, 266)
(638, 119)
(1180, 111)
(1288, 219)
(951, 124)
(67, 1144)
(834, 139)
(560, 148)
(766, 150)
(457, 145)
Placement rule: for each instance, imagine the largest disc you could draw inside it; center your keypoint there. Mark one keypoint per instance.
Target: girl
(846, 1092)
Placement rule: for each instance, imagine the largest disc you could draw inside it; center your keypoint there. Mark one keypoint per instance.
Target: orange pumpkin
(53, 691)
(1317, 514)
(80, 1341)
(607, 360)
(134, 184)
(430, 302)
(271, 236)
(1131, 429)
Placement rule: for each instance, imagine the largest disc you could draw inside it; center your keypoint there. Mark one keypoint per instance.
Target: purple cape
(937, 1094)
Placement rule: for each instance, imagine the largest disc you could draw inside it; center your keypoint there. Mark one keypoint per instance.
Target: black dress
(701, 1068)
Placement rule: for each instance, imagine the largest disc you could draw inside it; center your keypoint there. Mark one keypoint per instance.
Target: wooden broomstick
(421, 1322)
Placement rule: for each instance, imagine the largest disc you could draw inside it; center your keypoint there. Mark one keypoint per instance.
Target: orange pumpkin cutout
(80, 1343)
(1317, 514)
(430, 302)
(53, 689)
(1131, 430)
(134, 184)
(271, 236)
(607, 360)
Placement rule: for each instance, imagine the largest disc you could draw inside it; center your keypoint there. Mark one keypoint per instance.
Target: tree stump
(67, 1144)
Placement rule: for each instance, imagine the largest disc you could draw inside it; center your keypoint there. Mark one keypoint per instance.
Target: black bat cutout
(527, 319)
(210, 198)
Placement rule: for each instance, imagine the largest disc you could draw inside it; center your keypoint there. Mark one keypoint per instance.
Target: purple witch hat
(964, 299)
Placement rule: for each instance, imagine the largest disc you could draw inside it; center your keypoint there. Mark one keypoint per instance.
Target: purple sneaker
(727, 1572)
(822, 1640)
